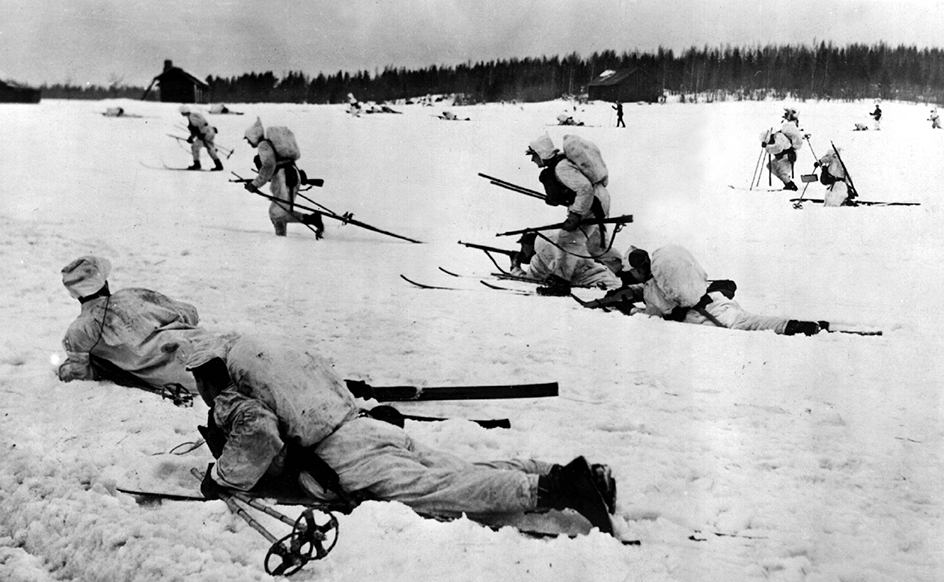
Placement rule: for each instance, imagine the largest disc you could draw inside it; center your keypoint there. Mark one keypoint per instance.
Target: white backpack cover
(586, 156)
(678, 275)
(283, 141)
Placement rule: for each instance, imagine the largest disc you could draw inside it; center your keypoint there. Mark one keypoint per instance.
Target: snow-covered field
(820, 458)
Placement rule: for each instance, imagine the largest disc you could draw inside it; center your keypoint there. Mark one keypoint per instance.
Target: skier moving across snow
(276, 409)
(575, 178)
(277, 153)
(783, 146)
(134, 330)
(833, 176)
(202, 135)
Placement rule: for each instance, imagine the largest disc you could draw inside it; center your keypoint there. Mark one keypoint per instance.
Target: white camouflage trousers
(382, 460)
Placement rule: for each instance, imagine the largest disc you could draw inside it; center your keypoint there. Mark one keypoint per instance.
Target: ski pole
(294, 550)
(513, 187)
(760, 158)
(343, 218)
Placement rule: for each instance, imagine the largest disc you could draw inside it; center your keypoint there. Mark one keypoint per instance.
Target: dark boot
(572, 487)
(280, 229)
(790, 186)
(554, 286)
(195, 166)
(805, 327)
(314, 219)
(218, 167)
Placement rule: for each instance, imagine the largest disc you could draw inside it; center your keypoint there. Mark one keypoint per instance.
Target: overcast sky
(99, 41)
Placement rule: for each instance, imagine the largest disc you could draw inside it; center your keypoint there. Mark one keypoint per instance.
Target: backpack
(586, 156)
(283, 142)
(678, 275)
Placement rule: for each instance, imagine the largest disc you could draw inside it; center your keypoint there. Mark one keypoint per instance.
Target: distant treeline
(826, 71)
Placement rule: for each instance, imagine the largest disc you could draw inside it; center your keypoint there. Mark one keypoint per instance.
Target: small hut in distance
(178, 86)
(625, 86)
(11, 92)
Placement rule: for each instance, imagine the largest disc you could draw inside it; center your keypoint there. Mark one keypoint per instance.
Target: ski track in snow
(819, 458)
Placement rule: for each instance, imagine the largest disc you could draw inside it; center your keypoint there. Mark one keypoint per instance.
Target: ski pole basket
(308, 540)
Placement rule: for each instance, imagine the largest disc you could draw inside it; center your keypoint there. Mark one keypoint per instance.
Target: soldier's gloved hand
(572, 222)
(250, 187)
(816, 164)
(210, 488)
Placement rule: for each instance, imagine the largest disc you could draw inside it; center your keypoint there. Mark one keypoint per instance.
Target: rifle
(346, 218)
(316, 182)
(106, 370)
(511, 254)
(513, 187)
(852, 188)
(626, 218)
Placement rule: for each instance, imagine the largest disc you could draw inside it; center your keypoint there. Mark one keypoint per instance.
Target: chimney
(168, 64)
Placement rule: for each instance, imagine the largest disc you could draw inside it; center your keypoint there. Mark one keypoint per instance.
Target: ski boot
(218, 166)
(314, 219)
(195, 165)
(805, 327)
(572, 487)
(790, 186)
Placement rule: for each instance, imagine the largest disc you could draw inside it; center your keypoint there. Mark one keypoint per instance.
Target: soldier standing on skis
(783, 146)
(934, 119)
(277, 153)
(833, 176)
(130, 335)
(202, 135)
(575, 178)
(277, 409)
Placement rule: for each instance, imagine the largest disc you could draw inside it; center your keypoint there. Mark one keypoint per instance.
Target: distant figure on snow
(566, 119)
(833, 176)
(221, 109)
(934, 119)
(783, 146)
(619, 114)
(277, 153)
(202, 135)
(575, 178)
(128, 337)
(354, 106)
(877, 116)
(679, 290)
(280, 414)
(450, 116)
(114, 112)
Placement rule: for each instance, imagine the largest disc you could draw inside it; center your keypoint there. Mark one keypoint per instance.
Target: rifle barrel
(626, 218)
(491, 249)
